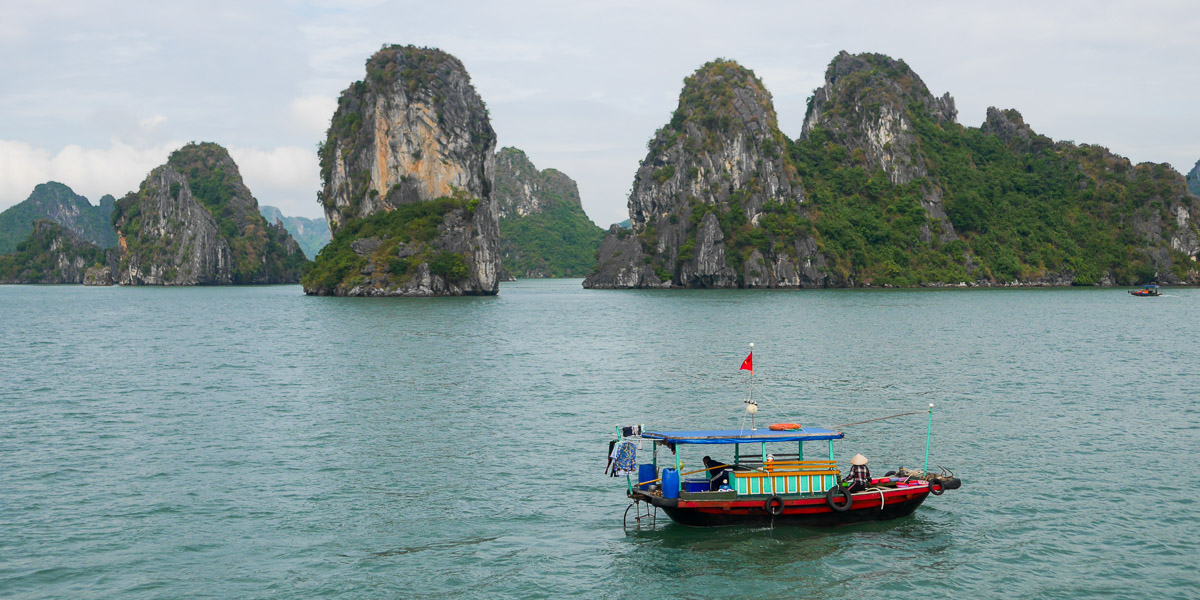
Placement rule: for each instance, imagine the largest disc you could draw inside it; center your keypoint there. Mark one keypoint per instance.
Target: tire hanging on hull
(833, 493)
(774, 506)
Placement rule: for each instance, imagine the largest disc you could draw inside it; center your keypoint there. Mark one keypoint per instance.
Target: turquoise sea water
(257, 443)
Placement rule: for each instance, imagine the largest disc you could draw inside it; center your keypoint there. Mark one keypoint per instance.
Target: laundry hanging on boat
(624, 458)
(631, 430)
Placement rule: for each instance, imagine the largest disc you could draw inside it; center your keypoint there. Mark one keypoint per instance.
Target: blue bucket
(670, 483)
(646, 473)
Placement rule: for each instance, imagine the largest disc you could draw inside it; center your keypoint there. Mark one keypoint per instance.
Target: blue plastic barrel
(670, 483)
(646, 473)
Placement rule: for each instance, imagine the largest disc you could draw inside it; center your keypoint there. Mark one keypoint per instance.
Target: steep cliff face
(1193, 179)
(1010, 127)
(166, 237)
(414, 131)
(58, 203)
(715, 202)
(543, 229)
(1150, 205)
(869, 105)
(193, 222)
(51, 254)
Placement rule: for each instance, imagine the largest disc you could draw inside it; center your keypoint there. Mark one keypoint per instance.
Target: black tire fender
(952, 483)
(774, 505)
(936, 488)
(839, 491)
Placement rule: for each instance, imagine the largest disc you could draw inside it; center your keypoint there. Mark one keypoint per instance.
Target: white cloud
(91, 172)
(151, 123)
(287, 177)
(21, 168)
(313, 113)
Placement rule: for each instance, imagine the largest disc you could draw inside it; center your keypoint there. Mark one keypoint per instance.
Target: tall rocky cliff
(869, 105)
(1193, 179)
(408, 167)
(54, 254)
(193, 222)
(885, 188)
(58, 203)
(715, 202)
(543, 229)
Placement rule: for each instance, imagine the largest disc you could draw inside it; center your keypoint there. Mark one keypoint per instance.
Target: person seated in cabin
(717, 474)
(860, 475)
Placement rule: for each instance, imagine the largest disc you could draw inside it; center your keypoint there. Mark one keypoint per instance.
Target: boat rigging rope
(915, 412)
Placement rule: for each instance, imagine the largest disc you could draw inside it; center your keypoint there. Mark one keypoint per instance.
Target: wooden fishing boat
(1146, 291)
(762, 488)
(770, 481)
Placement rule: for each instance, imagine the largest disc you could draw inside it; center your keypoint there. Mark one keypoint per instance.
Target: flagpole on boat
(751, 406)
(751, 375)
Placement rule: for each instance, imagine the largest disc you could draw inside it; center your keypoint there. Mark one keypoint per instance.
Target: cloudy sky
(96, 93)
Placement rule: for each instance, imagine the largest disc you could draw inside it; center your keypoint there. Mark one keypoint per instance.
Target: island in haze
(191, 222)
(59, 204)
(885, 188)
(311, 234)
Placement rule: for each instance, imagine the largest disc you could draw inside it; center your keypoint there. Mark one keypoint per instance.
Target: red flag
(748, 364)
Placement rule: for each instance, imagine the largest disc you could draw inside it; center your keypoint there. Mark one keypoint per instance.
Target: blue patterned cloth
(624, 458)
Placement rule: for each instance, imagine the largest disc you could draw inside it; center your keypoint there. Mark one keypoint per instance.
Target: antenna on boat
(751, 405)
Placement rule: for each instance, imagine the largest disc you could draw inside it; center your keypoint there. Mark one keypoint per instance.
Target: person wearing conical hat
(860, 475)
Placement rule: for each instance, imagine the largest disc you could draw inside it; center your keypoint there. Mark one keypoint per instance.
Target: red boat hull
(809, 511)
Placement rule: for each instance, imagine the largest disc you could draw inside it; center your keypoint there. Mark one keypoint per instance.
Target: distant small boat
(1147, 290)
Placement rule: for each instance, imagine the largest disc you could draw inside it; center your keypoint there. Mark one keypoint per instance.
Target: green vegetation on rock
(544, 231)
(560, 241)
(51, 254)
(894, 193)
(1020, 215)
(400, 244)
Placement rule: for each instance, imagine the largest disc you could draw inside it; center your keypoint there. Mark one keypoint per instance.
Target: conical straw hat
(858, 460)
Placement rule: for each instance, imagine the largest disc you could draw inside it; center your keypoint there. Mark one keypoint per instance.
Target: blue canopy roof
(744, 436)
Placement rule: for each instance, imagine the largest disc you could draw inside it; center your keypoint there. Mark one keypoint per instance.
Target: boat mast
(751, 405)
(928, 437)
